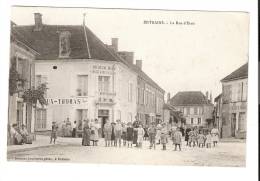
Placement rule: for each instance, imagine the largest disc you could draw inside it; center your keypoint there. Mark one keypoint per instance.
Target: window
(130, 92)
(41, 119)
(82, 85)
(104, 84)
(185, 111)
(199, 120)
(191, 110)
(244, 91)
(191, 120)
(64, 44)
(130, 117)
(242, 121)
(195, 110)
(41, 79)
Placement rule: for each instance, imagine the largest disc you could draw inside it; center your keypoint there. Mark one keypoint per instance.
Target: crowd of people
(117, 134)
(19, 136)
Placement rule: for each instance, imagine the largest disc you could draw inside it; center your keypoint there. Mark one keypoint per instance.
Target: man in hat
(54, 129)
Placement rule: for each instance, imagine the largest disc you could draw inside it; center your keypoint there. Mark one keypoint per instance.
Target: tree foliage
(33, 95)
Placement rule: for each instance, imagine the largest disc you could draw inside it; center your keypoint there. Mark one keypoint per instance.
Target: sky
(179, 57)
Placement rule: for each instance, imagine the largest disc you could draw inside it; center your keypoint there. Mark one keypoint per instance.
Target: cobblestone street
(225, 154)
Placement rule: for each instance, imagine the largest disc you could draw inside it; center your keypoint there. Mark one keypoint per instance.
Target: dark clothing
(86, 136)
(129, 134)
(187, 134)
(146, 132)
(74, 132)
(113, 136)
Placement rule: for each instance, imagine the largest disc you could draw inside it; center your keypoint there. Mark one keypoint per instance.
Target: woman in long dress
(86, 134)
(215, 136)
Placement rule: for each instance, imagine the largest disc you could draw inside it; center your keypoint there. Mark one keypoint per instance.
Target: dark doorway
(233, 125)
(103, 116)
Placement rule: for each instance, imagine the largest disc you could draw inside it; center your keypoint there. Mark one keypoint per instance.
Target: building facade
(196, 108)
(22, 57)
(87, 79)
(233, 118)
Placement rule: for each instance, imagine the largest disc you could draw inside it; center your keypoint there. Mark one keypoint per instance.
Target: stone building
(197, 109)
(22, 56)
(233, 105)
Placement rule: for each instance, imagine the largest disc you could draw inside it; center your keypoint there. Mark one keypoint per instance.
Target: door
(103, 116)
(233, 125)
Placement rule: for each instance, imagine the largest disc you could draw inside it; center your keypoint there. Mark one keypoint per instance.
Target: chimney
(139, 64)
(38, 21)
(168, 97)
(207, 95)
(114, 44)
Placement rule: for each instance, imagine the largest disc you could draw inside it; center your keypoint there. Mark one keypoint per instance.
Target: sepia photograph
(128, 86)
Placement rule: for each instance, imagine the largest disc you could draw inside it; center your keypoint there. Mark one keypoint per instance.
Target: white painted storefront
(85, 89)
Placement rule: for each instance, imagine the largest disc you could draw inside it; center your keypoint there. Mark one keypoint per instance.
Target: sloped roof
(240, 73)
(46, 42)
(189, 98)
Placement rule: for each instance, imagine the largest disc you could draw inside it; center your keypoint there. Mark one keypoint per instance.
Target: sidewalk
(234, 140)
(42, 141)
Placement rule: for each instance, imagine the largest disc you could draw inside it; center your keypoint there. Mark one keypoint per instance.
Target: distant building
(172, 116)
(233, 118)
(150, 96)
(197, 109)
(22, 56)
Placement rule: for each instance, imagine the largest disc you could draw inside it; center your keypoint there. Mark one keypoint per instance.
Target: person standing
(107, 133)
(146, 135)
(54, 129)
(164, 136)
(177, 138)
(158, 133)
(140, 136)
(86, 134)
(187, 135)
(129, 134)
(74, 129)
(63, 129)
(152, 133)
(201, 139)
(94, 132)
(215, 136)
(135, 126)
(113, 135)
(118, 133)
(208, 139)
(124, 129)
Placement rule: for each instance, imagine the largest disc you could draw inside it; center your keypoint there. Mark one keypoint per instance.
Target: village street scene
(76, 97)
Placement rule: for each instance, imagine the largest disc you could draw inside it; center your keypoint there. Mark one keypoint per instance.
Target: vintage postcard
(128, 86)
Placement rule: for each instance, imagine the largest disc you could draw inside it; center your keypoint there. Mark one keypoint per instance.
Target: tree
(33, 96)
(14, 79)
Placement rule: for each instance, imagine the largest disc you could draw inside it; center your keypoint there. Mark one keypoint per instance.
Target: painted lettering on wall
(102, 69)
(66, 101)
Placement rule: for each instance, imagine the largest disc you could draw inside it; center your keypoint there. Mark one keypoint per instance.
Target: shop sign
(66, 101)
(103, 69)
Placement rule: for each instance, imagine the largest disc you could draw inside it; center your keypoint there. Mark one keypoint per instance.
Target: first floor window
(41, 119)
(242, 121)
(199, 120)
(82, 85)
(191, 120)
(104, 84)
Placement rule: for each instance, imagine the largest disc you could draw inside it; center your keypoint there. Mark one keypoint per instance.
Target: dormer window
(64, 51)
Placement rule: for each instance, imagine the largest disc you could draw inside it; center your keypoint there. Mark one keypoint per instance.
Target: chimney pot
(38, 21)
(115, 44)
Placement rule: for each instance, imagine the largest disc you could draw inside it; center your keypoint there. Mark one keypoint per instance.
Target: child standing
(54, 129)
(208, 140)
(164, 136)
(124, 133)
(129, 135)
(140, 136)
(201, 138)
(177, 139)
(152, 134)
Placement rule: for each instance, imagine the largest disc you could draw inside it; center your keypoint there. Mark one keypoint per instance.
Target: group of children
(195, 137)
(135, 133)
